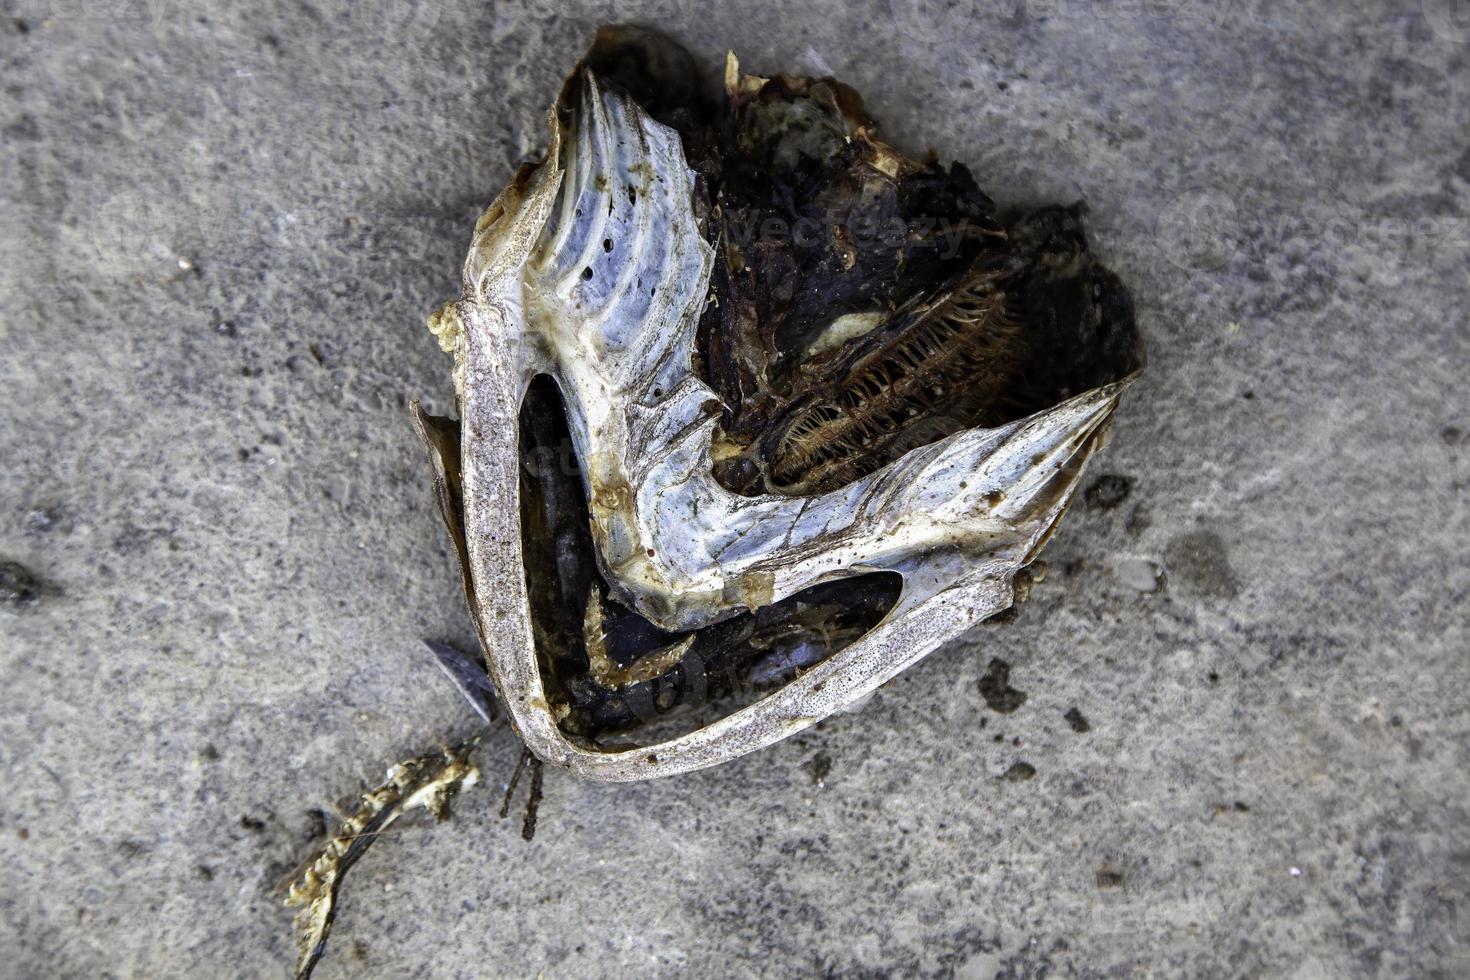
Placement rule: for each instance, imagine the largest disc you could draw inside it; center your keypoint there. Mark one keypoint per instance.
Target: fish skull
(593, 268)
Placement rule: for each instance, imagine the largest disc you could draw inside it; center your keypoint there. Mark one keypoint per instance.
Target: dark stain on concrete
(1201, 561)
(818, 767)
(1108, 491)
(995, 687)
(19, 586)
(1019, 773)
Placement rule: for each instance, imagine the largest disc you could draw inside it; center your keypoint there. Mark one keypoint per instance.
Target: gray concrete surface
(222, 226)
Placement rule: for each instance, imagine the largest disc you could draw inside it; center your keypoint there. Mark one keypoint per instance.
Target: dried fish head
(618, 373)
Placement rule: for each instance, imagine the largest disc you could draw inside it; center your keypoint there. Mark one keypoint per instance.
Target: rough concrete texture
(222, 228)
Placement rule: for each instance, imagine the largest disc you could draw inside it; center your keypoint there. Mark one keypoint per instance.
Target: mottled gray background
(222, 226)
